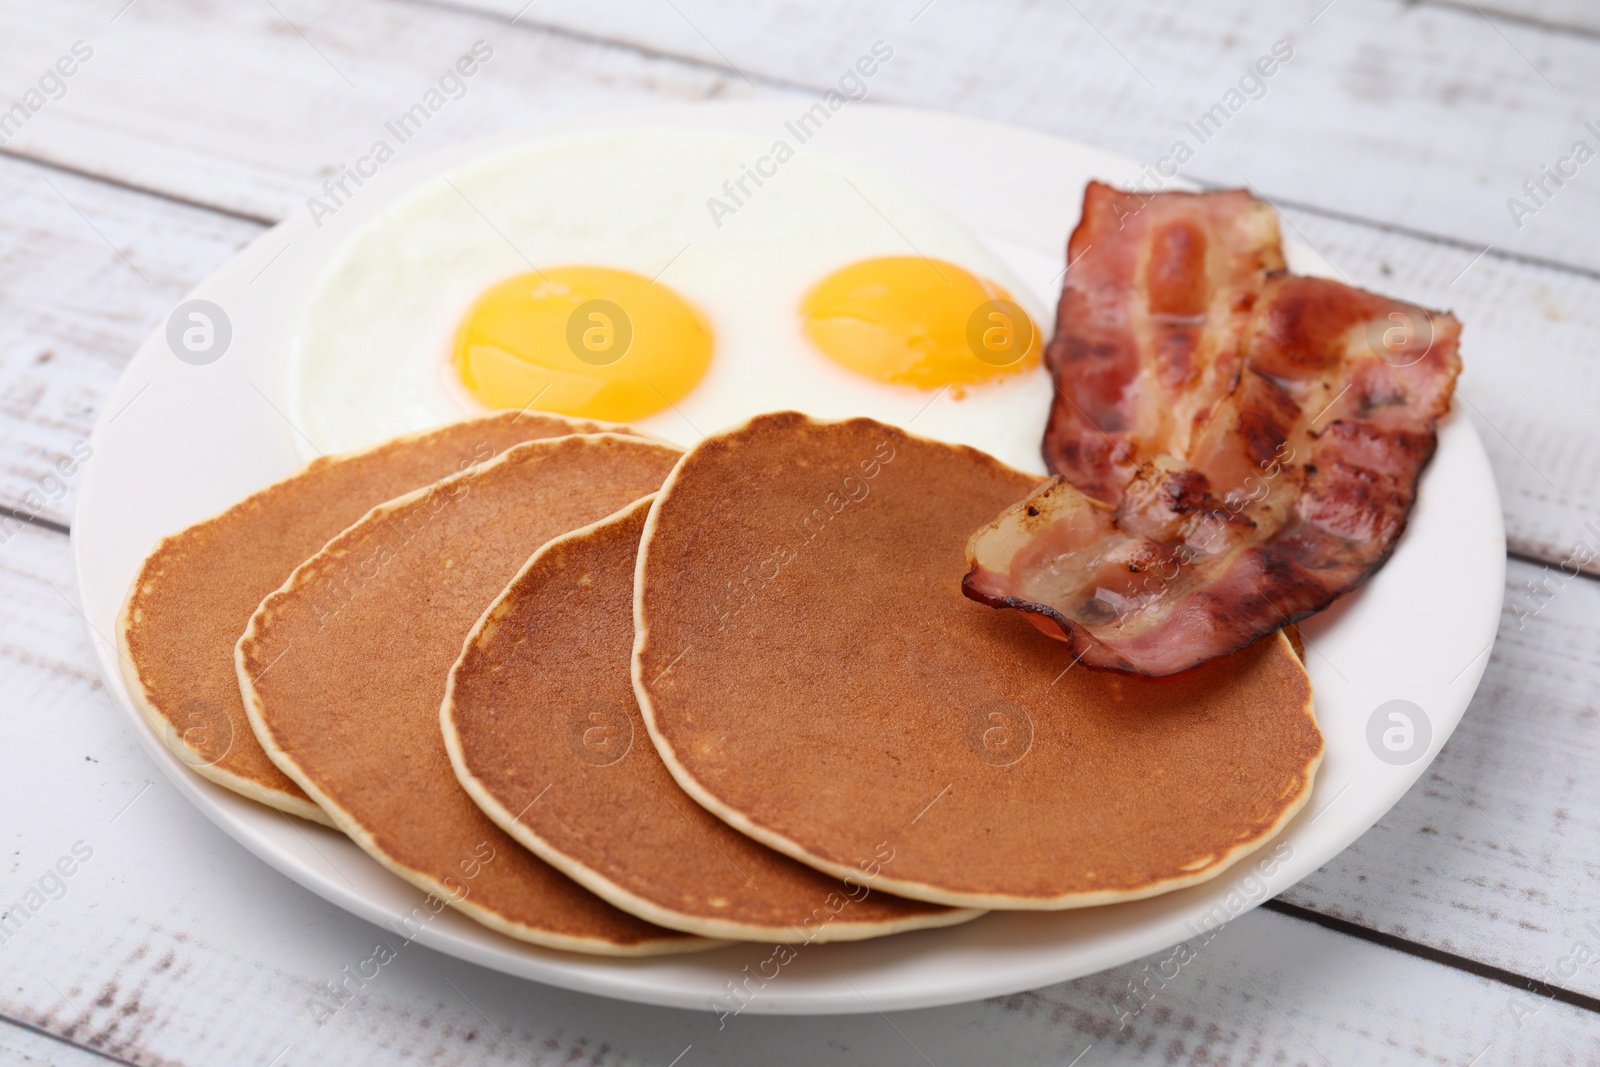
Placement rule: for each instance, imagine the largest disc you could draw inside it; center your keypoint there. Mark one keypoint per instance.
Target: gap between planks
(12, 514)
(1395, 943)
(59, 1039)
(1442, 240)
(135, 187)
(566, 33)
(1516, 18)
(1467, 10)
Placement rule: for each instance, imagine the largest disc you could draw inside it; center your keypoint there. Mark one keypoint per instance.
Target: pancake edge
(344, 821)
(722, 930)
(900, 887)
(163, 727)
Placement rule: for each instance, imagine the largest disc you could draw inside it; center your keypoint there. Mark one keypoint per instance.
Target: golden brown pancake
(540, 719)
(810, 672)
(343, 672)
(197, 590)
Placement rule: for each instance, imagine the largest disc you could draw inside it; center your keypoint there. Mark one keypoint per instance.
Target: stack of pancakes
(604, 696)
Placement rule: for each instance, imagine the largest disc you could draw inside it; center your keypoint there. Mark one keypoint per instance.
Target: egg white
(371, 357)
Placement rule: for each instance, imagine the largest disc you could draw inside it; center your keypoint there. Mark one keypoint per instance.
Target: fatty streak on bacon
(1160, 291)
(1247, 507)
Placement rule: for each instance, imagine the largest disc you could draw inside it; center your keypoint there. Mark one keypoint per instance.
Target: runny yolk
(593, 342)
(909, 320)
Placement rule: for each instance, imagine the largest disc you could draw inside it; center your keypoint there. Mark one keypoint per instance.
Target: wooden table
(1463, 929)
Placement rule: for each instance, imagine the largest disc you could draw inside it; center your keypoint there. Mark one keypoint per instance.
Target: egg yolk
(593, 342)
(909, 320)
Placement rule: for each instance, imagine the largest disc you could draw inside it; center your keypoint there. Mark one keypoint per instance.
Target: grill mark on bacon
(1235, 446)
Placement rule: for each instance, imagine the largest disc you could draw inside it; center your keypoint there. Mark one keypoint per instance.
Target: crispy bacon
(1229, 494)
(1147, 330)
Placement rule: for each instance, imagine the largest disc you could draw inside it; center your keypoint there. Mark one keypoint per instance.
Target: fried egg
(680, 281)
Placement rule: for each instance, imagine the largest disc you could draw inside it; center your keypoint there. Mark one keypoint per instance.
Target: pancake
(343, 671)
(197, 590)
(810, 672)
(540, 719)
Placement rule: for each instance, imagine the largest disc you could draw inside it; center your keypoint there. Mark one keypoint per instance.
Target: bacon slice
(1147, 331)
(1247, 504)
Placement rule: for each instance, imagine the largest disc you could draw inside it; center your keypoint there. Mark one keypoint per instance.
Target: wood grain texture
(26, 1048)
(86, 271)
(1551, 16)
(1421, 116)
(233, 106)
(171, 945)
(1495, 852)
(245, 107)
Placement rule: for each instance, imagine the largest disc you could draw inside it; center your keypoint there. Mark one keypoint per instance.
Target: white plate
(180, 442)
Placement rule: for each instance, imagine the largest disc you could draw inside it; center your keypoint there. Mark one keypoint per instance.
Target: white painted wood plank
(169, 943)
(1495, 853)
(1557, 16)
(1429, 117)
(86, 271)
(247, 106)
(24, 1048)
(1422, 116)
